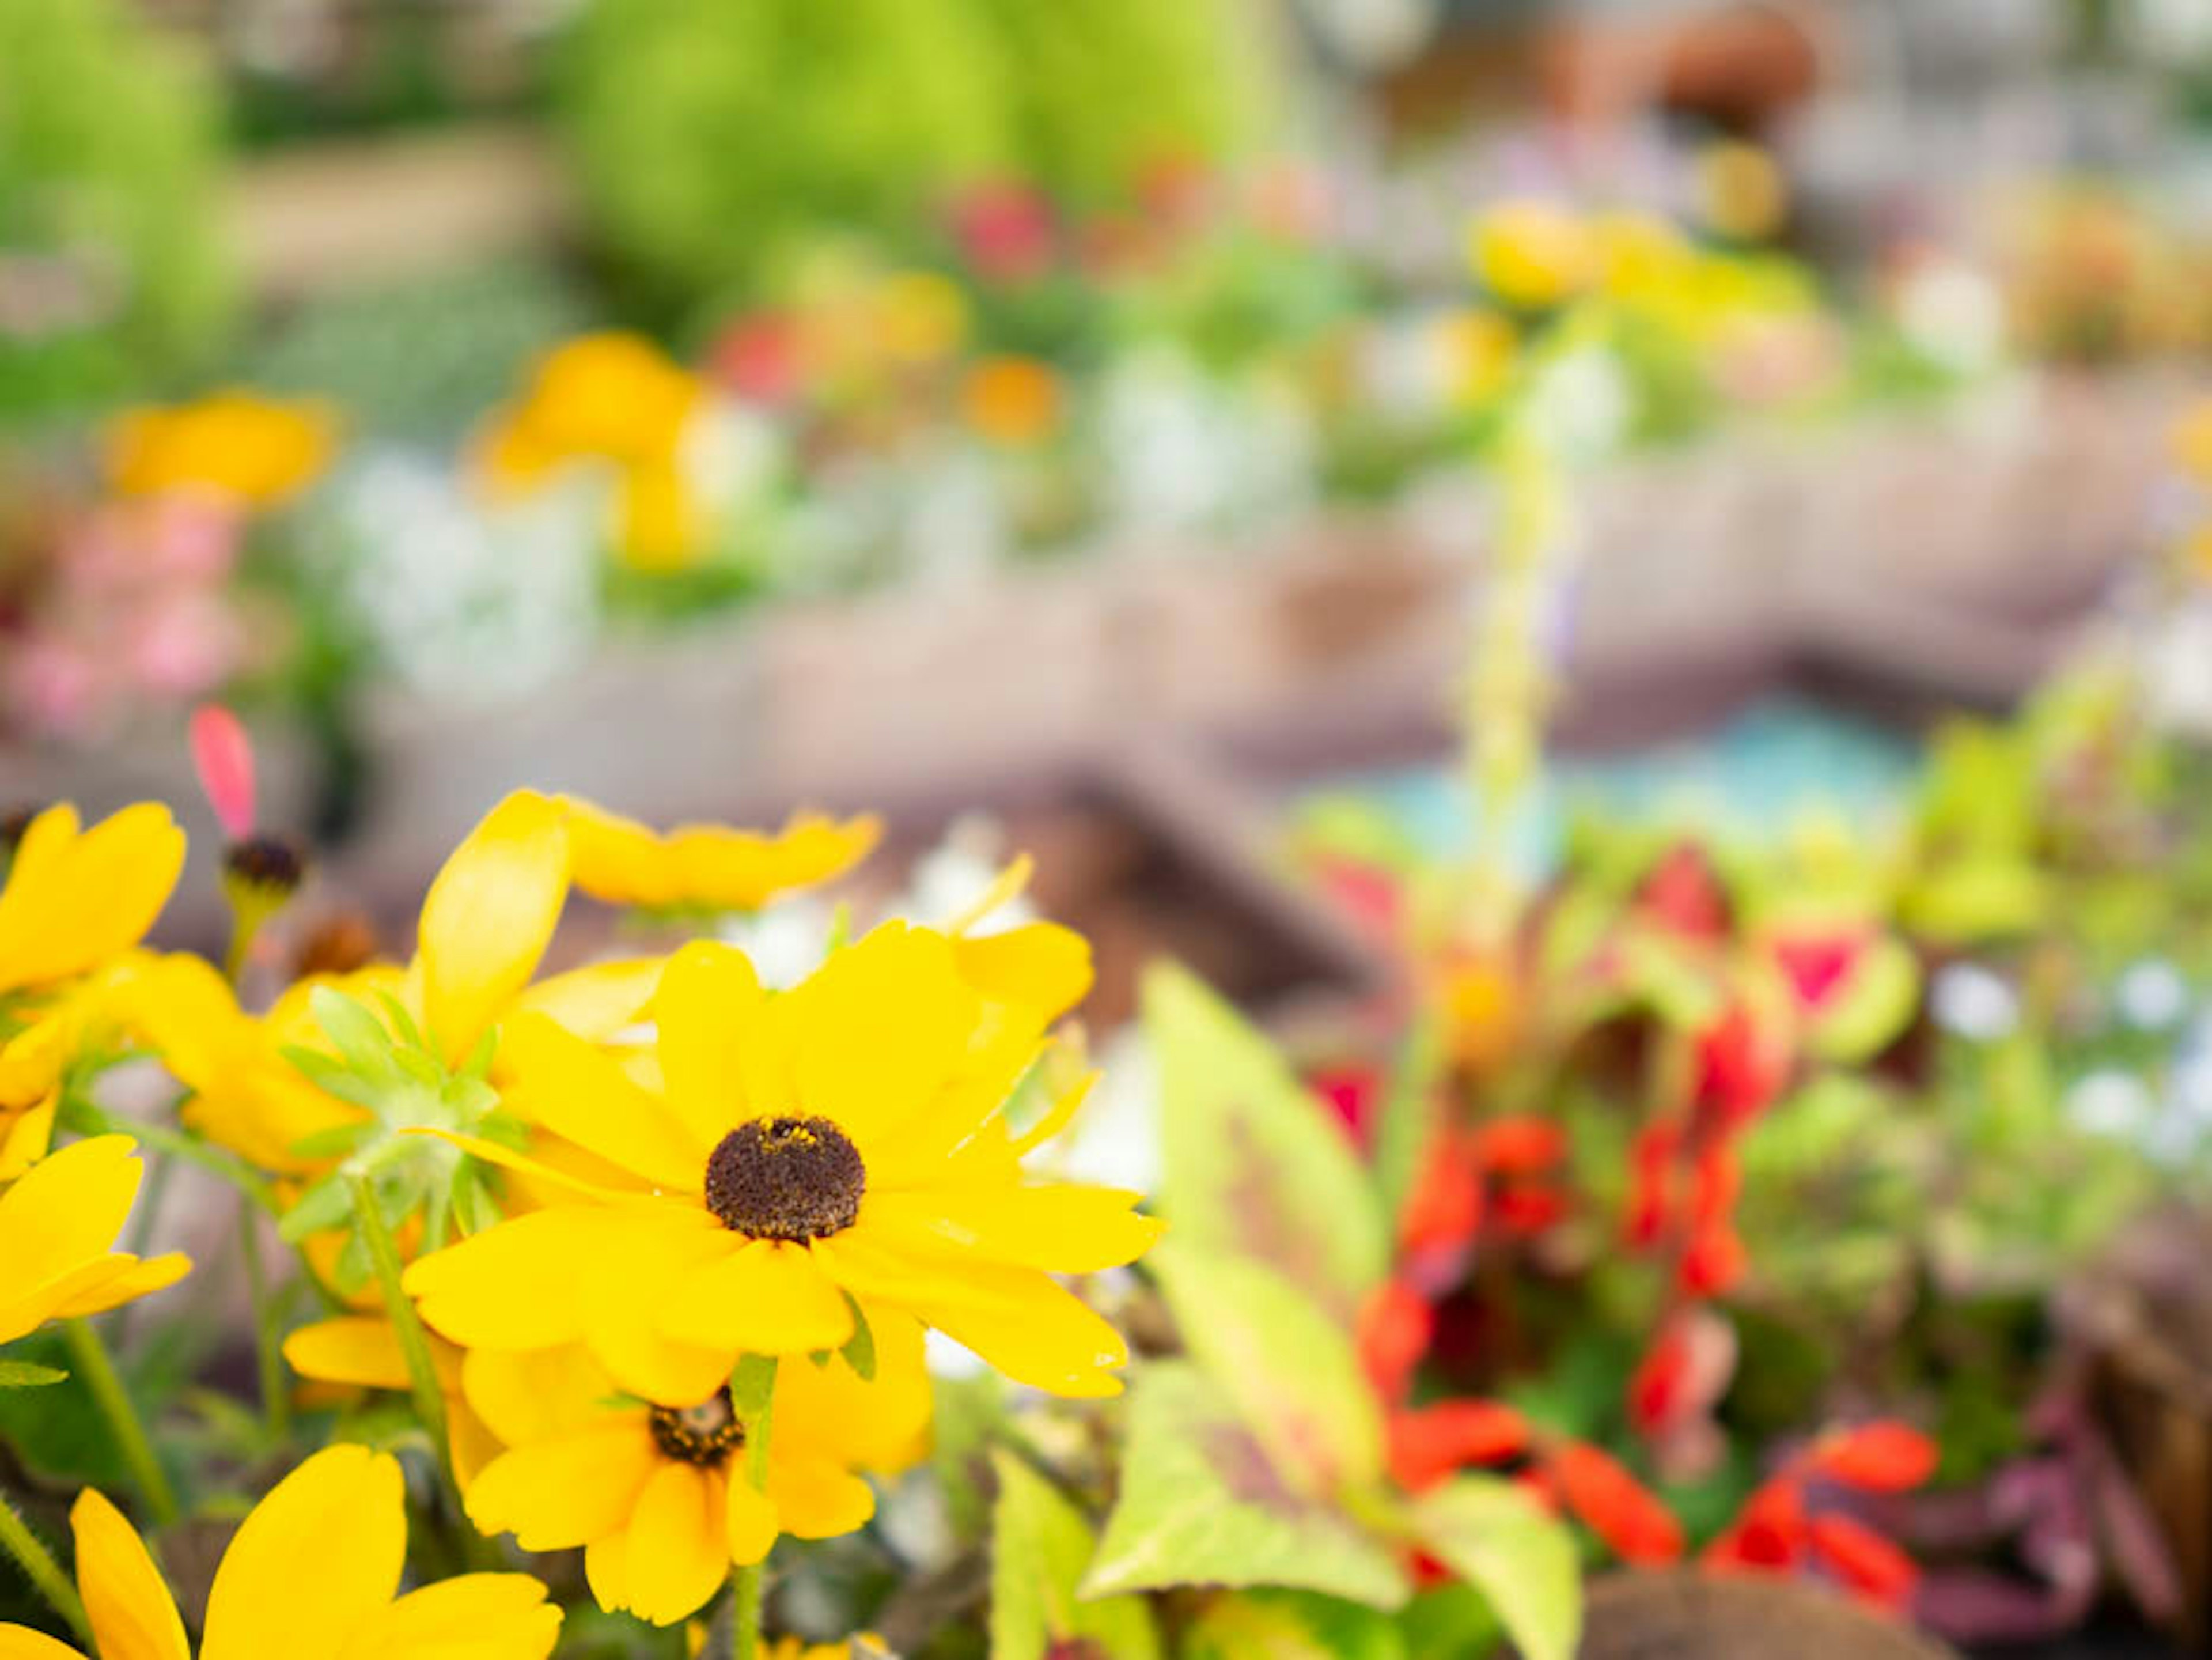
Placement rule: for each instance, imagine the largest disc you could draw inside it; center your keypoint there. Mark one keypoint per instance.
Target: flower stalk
(30, 1554)
(97, 1367)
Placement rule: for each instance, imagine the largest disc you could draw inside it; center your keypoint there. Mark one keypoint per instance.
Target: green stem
(268, 1339)
(95, 1120)
(407, 1326)
(97, 1368)
(745, 1633)
(45, 1574)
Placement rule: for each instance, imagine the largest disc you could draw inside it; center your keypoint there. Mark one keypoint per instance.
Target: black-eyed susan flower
(785, 1158)
(313, 1574)
(75, 905)
(350, 1352)
(59, 1225)
(661, 1498)
(710, 867)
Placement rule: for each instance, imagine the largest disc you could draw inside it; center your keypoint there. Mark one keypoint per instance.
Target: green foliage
(1040, 1546)
(1283, 1625)
(29, 1374)
(1203, 1502)
(712, 139)
(109, 222)
(1252, 1165)
(1495, 1537)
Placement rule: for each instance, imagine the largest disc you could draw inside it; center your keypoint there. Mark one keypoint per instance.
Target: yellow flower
(657, 523)
(2192, 441)
(709, 867)
(361, 1351)
(258, 452)
(920, 317)
(58, 1224)
(660, 1498)
(1640, 255)
(1741, 192)
(313, 1574)
(1013, 401)
(846, 1137)
(1480, 346)
(73, 906)
(796, 1648)
(1533, 253)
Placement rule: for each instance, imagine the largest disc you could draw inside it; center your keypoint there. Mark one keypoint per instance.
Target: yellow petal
(751, 1519)
(535, 1395)
(768, 1297)
(624, 1293)
(568, 1490)
(488, 916)
(133, 1279)
(1039, 966)
(1004, 888)
(881, 1423)
(477, 1616)
(133, 1616)
(21, 1642)
(679, 1544)
(73, 901)
(720, 1059)
(1059, 1227)
(617, 859)
(25, 1138)
(69, 1207)
(316, 1560)
(362, 1351)
(597, 1001)
(606, 1567)
(879, 1029)
(568, 1183)
(579, 1091)
(514, 1285)
(25, 1309)
(815, 1500)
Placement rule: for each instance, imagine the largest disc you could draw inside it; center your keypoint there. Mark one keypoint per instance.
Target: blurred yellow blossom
(253, 451)
(920, 317)
(1013, 401)
(1533, 253)
(1741, 194)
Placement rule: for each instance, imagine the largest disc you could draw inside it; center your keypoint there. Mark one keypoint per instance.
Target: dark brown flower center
(705, 1435)
(785, 1178)
(269, 862)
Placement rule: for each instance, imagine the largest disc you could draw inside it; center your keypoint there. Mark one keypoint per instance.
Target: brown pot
(1688, 1616)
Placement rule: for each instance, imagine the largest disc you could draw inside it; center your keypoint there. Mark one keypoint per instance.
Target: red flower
(1883, 1457)
(1651, 1180)
(758, 357)
(1429, 1443)
(1768, 1534)
(1869, 1566)
(1683, 895)
(1740, 1068)
(1815, 966)
(1519, 1145)
(1396, 1327)
(1525, 1211)
(1352, 1092)
(1444, 1207)
(1655, 1388)
(1006, 230)
(1615, 1505)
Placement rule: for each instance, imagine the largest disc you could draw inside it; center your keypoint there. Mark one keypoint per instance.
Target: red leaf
(1883, 1457)
(1445, 1205)
(1519, 1145)
(1352, 1092)
(1876, 1570)
(1682, 894)
(1741, 1068)
(1615, 1506)
(1432, 1442)
(1658, 1381)
(1714, 1260)
(224, 756)
(1816, 966)
(1768, 1535)
(1650, 1202)
(1396, 1326)
(1525, 1211)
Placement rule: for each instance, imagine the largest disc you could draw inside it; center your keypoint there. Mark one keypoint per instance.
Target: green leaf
(859, 1350)
(1407, 1117)
(1877, 1001)
(1040, 1546)
(325, 1205)
(364, 1042)
(335, 1142)
(1448, 1622)
(1252, 1164)
(1201, 1504)
(331, 1076)
(29, 1374)
(1496, 1538)
(1290, 1369)
(752, 1386)
(1291, 1624)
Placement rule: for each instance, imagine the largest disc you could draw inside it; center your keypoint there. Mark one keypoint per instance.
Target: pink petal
(224, 757)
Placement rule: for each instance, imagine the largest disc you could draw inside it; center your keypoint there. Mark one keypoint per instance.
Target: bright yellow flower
(254, 451)
(1013, 400)
(58, 1224)
(848, 1136)
(1640, 255)
(313, 1574)
(2192, 441)
(709, 867)
(797, 1647)
(1740, 191)
(920, 317)
(659, 525)
(660, 1497)
(1533, 253)
(72, 908)
(1481, 346)
(363, 1351)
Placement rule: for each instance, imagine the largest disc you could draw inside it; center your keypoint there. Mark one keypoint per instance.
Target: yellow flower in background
(351, 1352)
(709, 867)
(75, 905)
(864, 1646)
(2192, 441)
(660, 1497)
(1533, 253)
(256, 452)
(1741, 194)
(657, 522)
(1481, 347)
(59, 1225)
(1015, 401)
(313, 1574)
(848, 1136)
(920, 317)
(1639, 254)
(614, 397)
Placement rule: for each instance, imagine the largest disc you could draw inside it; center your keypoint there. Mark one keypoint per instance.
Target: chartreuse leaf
(1202, 1504)
(1499, 1541)
(1252, 1164)
(26, 1375)
(1407, 1117)
(1875, 1002)
(1040, 1546)
(1289, 1371)
(1290, 1625)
